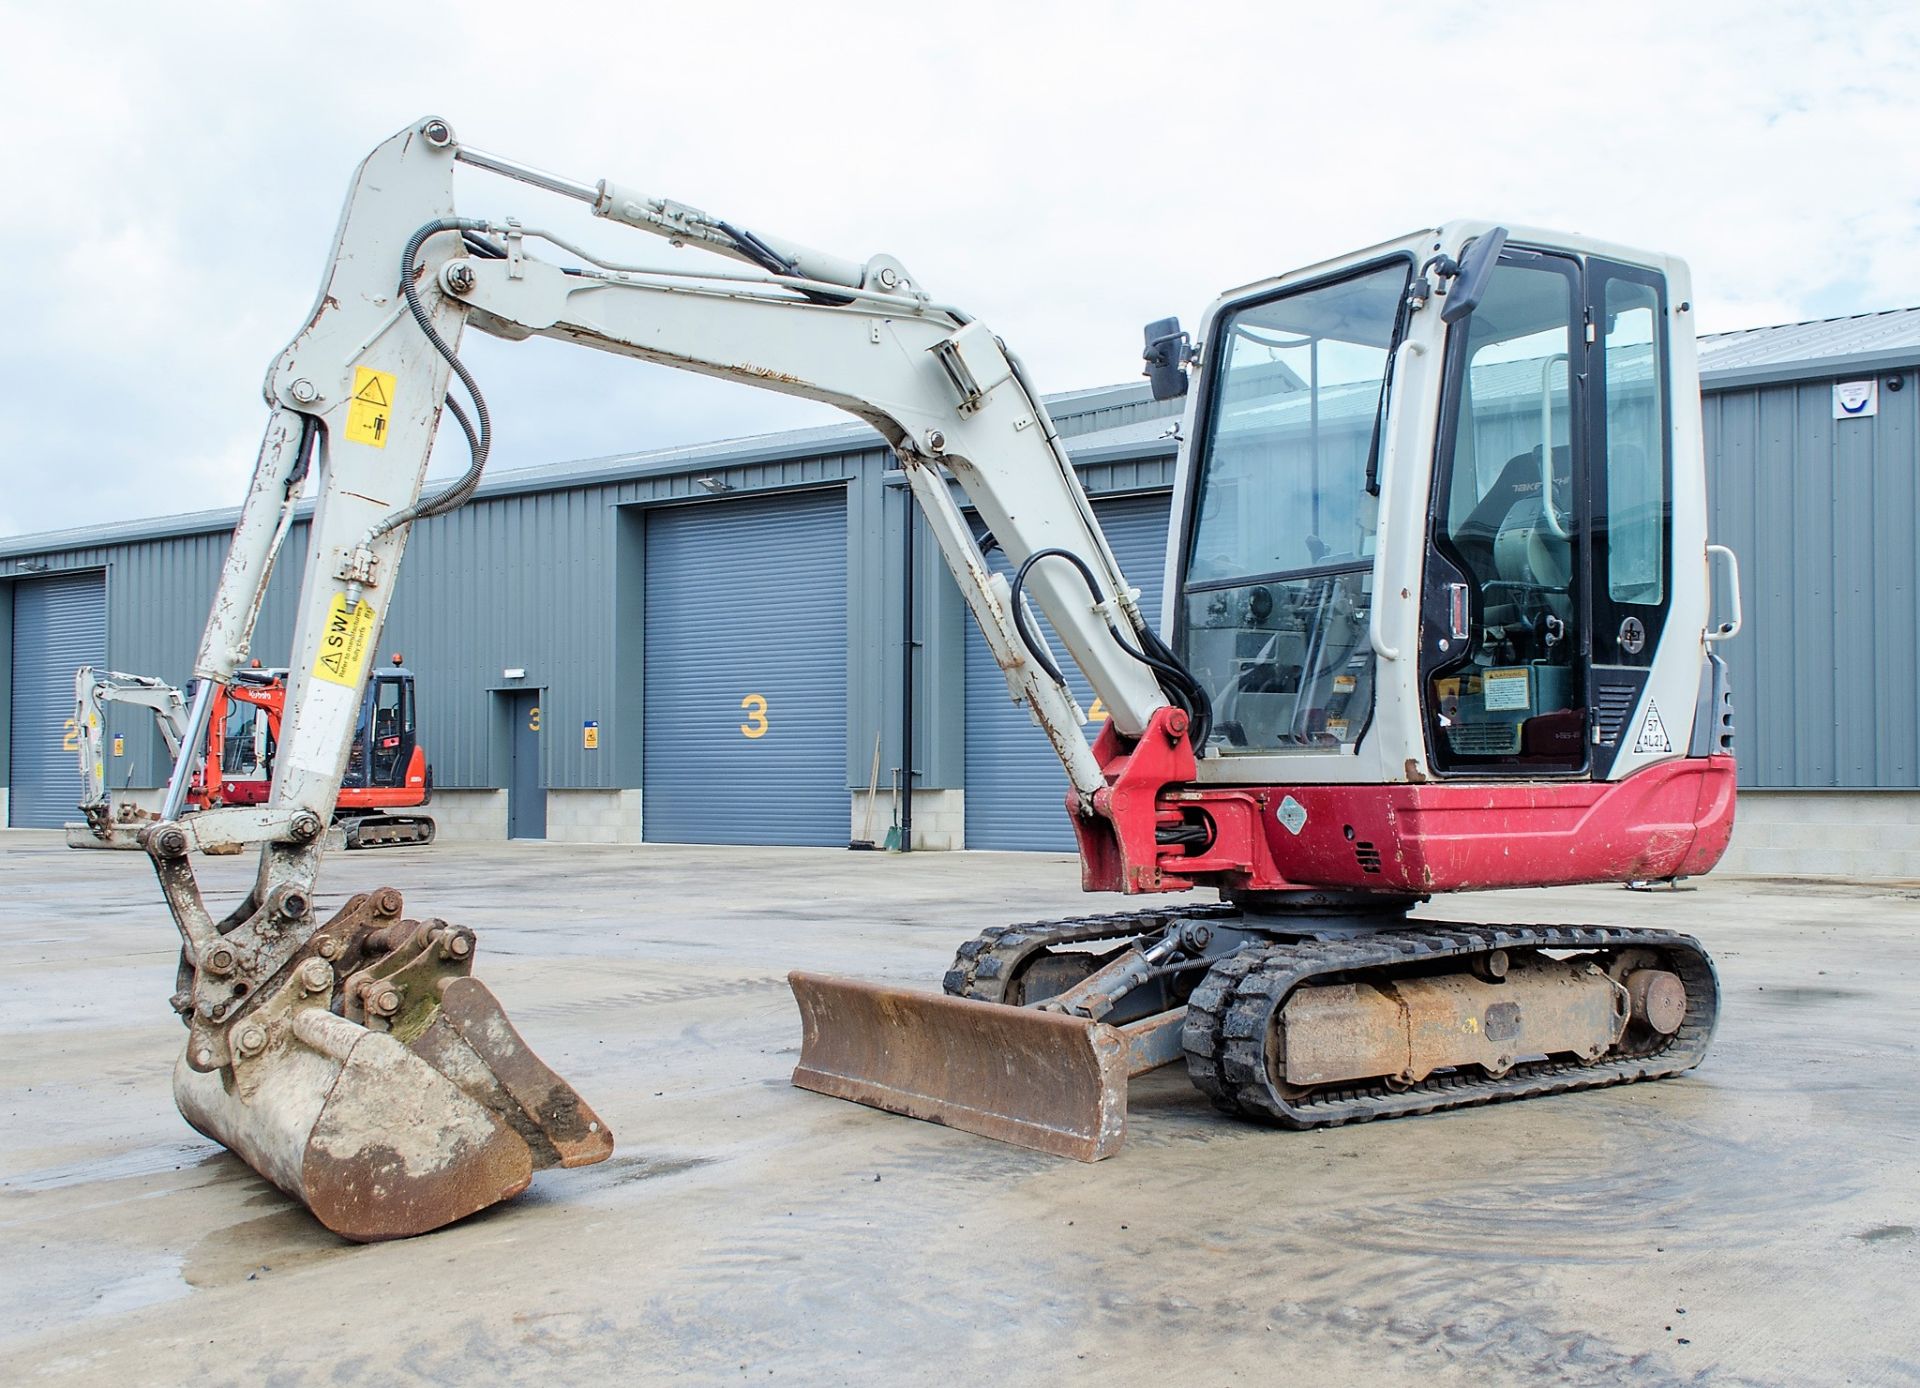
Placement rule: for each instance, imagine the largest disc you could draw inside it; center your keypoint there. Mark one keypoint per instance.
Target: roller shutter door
(746, 672)
(59, 624)
(1016, 790)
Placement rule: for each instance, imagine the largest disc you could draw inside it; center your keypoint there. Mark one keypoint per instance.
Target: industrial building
(732, 643)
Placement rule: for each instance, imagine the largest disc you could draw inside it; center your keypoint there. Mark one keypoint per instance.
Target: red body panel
(1670, 820)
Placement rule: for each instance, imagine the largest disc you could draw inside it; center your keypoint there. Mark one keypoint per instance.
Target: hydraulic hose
(479, 430)
(1178, 683)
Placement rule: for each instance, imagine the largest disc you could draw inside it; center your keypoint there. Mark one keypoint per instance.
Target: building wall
(1825, 517)
(543, 572)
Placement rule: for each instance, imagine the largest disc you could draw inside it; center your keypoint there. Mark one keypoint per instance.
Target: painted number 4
(756, 724)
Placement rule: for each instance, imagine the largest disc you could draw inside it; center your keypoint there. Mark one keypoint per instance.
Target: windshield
(1278, 580)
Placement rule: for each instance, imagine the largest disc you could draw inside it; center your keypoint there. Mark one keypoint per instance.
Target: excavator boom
(302, 1034)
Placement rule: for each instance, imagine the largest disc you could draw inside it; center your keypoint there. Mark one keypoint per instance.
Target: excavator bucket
(417, 1107)
(1036, 1079)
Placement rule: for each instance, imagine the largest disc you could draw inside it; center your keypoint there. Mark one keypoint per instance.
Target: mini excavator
(1438, 621)
(386, 774)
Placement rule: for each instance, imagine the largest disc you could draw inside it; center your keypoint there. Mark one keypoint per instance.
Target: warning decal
(370, 412)
(1508, 691)
(1653, 732)
(346, 641)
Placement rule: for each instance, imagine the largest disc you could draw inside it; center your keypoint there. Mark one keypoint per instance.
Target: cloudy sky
(172, 175)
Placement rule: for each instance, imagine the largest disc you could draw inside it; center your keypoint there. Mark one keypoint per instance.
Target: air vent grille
(1611, 705)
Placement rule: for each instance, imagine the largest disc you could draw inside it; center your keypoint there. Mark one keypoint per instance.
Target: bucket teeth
(1054, 1083)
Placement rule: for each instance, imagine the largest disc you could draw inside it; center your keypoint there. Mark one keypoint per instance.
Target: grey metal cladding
(1822, 513)
(746, 671)
(541, 572)
(59, 624)
(1016, 792)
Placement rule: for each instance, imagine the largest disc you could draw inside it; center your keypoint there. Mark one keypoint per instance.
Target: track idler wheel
(390, 1096)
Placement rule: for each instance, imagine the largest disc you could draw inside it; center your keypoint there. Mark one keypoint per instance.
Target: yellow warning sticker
(370, 412)
(346, 641)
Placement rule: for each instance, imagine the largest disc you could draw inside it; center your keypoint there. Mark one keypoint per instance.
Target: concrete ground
(1753, 1222)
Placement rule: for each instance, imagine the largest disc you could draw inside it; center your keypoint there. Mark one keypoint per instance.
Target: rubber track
(986, 964)
(1231, 1012)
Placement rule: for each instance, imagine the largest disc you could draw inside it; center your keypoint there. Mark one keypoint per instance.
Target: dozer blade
(382, 1139)
(1037, 1079)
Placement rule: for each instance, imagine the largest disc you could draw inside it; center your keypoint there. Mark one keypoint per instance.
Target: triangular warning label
(372, 393)
(1653, 732)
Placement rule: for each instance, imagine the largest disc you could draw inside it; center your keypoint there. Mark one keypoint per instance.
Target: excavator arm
(303, 1037)
(105, 827)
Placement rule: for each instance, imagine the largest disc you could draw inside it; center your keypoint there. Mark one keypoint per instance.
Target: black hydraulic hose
(482, 247)
(479, 431)
(1034, 646)
(1175, 680)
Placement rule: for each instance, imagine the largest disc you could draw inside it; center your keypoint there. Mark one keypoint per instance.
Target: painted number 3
(756, 724)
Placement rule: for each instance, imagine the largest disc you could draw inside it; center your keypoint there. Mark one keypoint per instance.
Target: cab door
(1504, 635)
(1630, 486)
(1551, 521)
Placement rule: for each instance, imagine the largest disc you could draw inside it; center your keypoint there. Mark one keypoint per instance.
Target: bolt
(328, 948)
(220, 960)
(203, 1058)
(437, 133)
(385, 1001)
(171, 843)
(459, 946)
(889, 277)
(207, 1011)
(387, 902)
(458, 277)
(936, 441)
(305, 826)
(315, 976)
(305, 391)
(251, 1039)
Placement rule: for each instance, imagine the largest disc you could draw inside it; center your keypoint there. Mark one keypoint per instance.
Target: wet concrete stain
(278, 1242)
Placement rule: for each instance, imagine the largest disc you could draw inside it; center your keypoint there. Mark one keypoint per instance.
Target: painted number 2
(71, 742)
(756, 724)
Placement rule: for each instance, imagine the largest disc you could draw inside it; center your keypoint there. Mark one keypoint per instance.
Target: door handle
(1725, 630)
(1457, 612)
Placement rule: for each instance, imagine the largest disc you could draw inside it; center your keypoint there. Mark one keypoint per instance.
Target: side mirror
(1167, 354)
(1476, 268)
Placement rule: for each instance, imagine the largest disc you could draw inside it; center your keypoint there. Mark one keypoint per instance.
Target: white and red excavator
(1438, 620)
